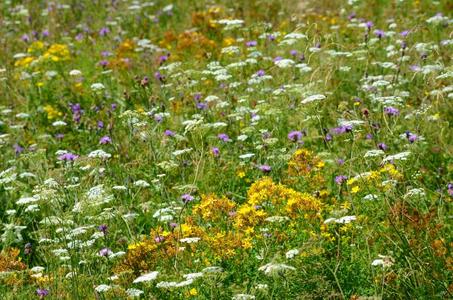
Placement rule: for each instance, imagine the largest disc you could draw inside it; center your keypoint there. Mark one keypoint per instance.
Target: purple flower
(265, 168)
(342, 129)
(382, 146)
(105, 140)
(391, 111)
(59, 136)
(340, 161)
(104, 63)
(369, 136)
(100, 124)
(159, 239)
(251, 44)
(328, 137)
(278, 58)
(404, 33)
(104, 31)
(260, 73)
(159, 76)
(450, 189)
(197, 96)
(186, 198)
(224, 137)
(42, 292)
(168, 132)
(215, 151)
(25, 38)
(103, 228)
(106, 53)
(45, 33)
(412, 137)
(105, 252)
(369, 24)
(293, 52)
(295, 135)
(68, 157)
(163, 59)
(18, 149)
(379, 33)
(202, 105)
(340, 179)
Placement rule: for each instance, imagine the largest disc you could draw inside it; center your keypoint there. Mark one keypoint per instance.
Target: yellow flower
(355, 190)
(193, 292)
(240, 174)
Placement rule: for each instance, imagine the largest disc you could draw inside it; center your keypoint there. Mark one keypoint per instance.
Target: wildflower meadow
(214, 149)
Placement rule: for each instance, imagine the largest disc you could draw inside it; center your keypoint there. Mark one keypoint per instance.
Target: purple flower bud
(295, 136)
(105, 252)
(224, 137)
(265, 168)
(105, 140)
(382, 146)
(412, 138)
(104, 31)
(168, 132)
(42, 293)
(379, 33)
(68, 157)
(103, 228)
(215, 151)
(340, 179)
(391, 111)
(186, 198)
(260, 73)
(251, 44)
(159, 239)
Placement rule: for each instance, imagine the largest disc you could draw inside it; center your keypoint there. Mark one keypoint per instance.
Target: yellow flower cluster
(57, 52)
(52, 112)
(212, 208)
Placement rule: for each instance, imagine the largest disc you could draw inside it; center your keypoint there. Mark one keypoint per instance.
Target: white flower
(247, 155)
(146, 277)
(346, 219)
(243, 297)
(75, 73)
(119, 188)
(190, 240)
(313, 98)
(37, 269)
(291, 253)
(134, 292)
(141, 183)
(99, 154)
(374, 153)
(271, 268)
(192, 276)
(285, 63)
(384, 261)
(398, 156)
(180, 152)
(59, 124)
(27, 200)
(102, 288)
(277, 219)
(97, 87)
(213, 269)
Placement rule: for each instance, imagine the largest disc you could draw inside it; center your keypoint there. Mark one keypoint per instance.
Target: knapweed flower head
(224, 137)
(42, 293)
(105, 140)
(295, 136)
(68, 156)
(391, 111)
(186, 198)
